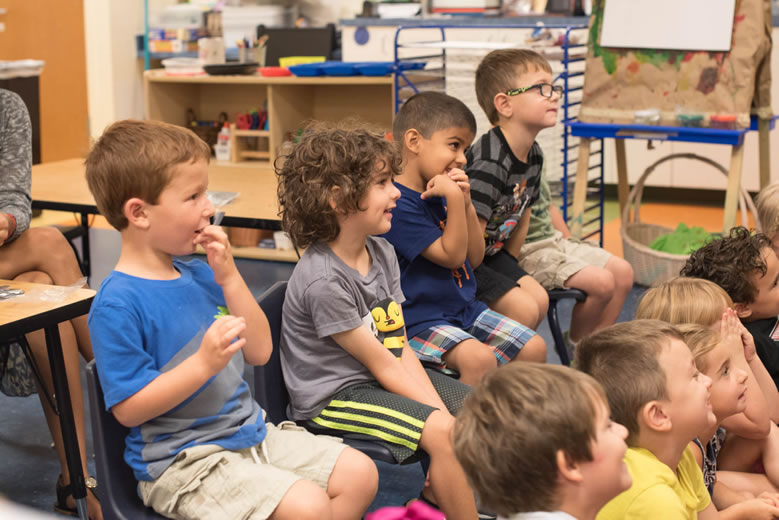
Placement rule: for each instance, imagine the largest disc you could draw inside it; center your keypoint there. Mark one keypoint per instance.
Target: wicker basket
(652, 267)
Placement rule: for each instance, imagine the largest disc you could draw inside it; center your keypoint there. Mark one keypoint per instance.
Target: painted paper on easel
(619, 81)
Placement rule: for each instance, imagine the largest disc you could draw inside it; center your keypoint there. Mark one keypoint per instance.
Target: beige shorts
(210, 482)
(553, 260)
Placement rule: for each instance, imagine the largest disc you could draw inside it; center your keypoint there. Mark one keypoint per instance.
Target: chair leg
(557, 335)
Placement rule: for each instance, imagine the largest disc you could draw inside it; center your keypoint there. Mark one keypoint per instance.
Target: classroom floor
(30, 471)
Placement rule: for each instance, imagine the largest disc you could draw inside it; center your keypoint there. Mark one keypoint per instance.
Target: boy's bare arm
(451, 248)
(764, 380)
(391, 373)
(517, 238)
(171, 388)
(238, 297)
(475, 253)
(558, 221)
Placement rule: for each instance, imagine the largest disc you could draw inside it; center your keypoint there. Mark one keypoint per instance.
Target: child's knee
(475, 357)
(35, 277)
(622, 271)
(534, 350)
(437, 434)
(303, 501)
(359, 470)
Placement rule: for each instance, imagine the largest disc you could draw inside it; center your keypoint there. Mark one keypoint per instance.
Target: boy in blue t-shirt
(171, 337)
(438, 240)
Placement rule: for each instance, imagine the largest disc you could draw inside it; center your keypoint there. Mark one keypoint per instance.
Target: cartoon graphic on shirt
(389, 321)
(505, 217)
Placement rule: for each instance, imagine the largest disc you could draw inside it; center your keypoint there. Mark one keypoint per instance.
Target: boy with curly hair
(344, 352)
(746, 267)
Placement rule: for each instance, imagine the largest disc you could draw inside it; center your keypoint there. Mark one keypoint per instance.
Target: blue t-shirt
(141, 328)
(435, 295)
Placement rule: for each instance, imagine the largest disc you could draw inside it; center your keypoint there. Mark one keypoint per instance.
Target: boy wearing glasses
(528, 246)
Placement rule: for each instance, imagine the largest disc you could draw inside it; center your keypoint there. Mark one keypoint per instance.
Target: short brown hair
(731, 262)
(700, 340)
(768, 210)
(684, 300)
(136, 159)
(624, 359)
(329, 155)
(498, 72)
(517, 419)
(428, 112)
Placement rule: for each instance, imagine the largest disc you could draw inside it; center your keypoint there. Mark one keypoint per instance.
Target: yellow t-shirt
(657, 493)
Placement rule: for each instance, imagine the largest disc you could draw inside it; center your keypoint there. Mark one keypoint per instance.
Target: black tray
(222, 69)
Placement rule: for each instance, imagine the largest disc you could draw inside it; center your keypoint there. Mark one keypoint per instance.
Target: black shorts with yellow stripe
(368, 411)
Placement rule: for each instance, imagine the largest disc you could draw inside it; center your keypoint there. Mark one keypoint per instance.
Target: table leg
(85, 258)
(764, 139)
(68, 425)
(580, 189)
(623, 188)
(734, 186)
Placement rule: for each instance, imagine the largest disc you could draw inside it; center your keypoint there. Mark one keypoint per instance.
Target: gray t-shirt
(324, 297)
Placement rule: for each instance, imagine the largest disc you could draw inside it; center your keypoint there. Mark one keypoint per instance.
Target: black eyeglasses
(546, 90)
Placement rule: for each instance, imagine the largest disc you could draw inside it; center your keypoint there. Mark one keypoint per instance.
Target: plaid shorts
(503, 335)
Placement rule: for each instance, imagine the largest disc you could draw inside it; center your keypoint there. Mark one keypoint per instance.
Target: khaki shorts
(208, 481)
(553, 260)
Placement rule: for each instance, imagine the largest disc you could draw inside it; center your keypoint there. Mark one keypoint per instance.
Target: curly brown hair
(731, 262)
(329, 155)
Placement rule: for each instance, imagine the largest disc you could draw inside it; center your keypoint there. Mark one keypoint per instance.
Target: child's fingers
(235, 346)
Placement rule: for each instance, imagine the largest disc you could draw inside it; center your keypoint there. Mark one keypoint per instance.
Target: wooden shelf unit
(290, 101)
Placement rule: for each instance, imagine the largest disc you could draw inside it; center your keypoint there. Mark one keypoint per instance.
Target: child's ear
(335, 191)
(654, 416)
(134, 210)
(412, 139)
(568, 470)
(742, 310)
(502, 104)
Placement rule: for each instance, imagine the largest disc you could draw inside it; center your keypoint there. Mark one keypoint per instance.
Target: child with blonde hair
(751, 432)
(715, 354)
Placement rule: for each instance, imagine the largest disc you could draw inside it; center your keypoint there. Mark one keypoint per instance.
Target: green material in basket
(684, 241)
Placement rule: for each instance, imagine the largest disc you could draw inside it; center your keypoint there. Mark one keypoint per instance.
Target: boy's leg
(507, 339)
(349, 477)
(508, 289)
(447, 478)
(523, 305)
(472, 359)
(352, 485)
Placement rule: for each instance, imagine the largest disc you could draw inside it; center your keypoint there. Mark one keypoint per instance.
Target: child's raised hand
(730, 332)
(440, 186)
(220, 257)
(748, 341)
(218, 347)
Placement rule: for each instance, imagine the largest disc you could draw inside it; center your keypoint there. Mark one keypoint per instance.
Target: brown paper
(618, 82)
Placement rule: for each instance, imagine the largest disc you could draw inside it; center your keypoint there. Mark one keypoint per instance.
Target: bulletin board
(620, 81)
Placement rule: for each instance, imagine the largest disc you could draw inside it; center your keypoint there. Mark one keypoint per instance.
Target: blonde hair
(517, 419)
(768, 210)
(498, 72)
(624, 359)
(136, 159)
(700, 340)
(684, 300)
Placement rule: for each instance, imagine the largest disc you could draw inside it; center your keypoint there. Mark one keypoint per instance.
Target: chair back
(117, 486)
(269, 388)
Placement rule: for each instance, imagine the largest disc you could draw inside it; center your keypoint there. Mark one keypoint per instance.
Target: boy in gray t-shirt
(346, 361)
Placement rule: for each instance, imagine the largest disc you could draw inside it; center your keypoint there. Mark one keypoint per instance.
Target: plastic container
(379, 68)
(340, 68)
(275, 71)
(307, 70)
(289, 61)
(222, 148)
(183, 66)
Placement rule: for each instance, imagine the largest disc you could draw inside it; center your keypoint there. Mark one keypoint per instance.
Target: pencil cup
(259, 55)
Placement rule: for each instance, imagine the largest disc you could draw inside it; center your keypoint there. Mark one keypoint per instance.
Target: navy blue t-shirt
(435, 295)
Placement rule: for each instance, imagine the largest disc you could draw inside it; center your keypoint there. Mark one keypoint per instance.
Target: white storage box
(242, 22)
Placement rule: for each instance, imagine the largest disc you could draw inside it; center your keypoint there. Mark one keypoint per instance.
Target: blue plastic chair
(117, 485)
(555, 295)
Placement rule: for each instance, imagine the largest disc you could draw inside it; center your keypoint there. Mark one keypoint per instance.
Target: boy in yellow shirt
(657, 393)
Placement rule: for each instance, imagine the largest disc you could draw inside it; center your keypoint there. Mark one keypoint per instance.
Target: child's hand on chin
(218, 251)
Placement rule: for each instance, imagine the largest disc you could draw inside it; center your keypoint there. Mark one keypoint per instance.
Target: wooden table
(62, 186)
(20, 317)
